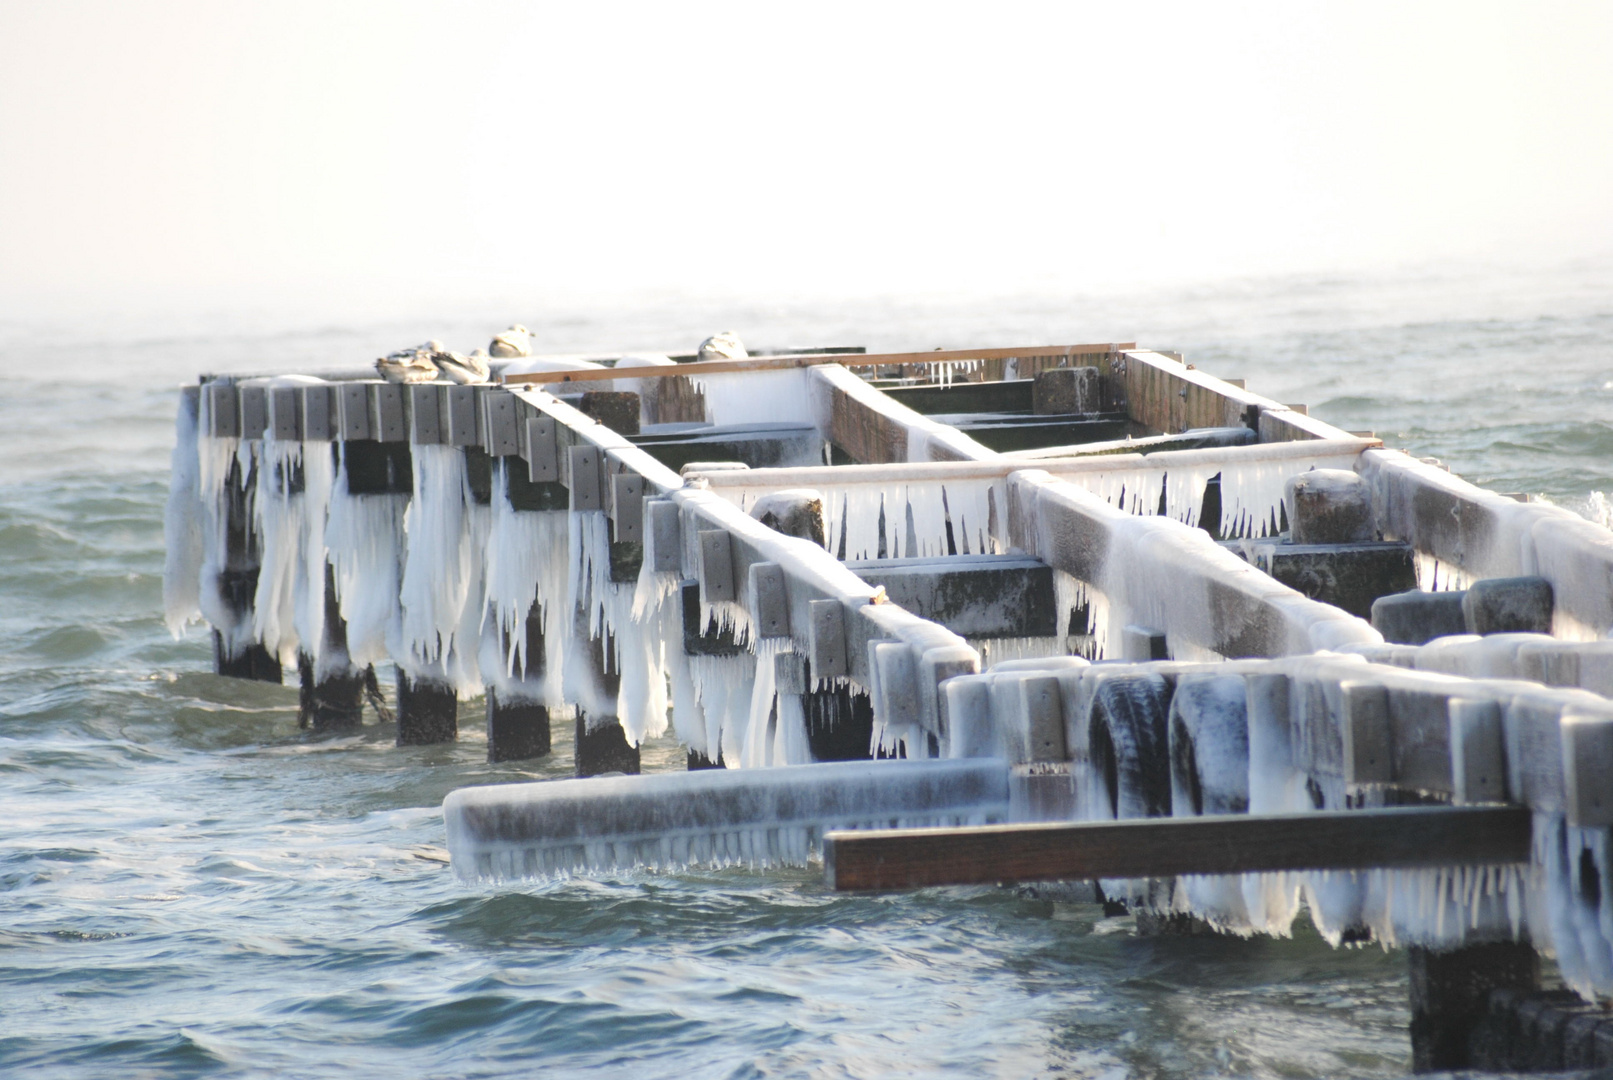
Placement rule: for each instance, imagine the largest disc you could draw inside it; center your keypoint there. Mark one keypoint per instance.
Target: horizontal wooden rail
(779, 363)
(1164, 847)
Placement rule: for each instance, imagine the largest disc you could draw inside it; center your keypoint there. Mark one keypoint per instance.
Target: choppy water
(190, 886)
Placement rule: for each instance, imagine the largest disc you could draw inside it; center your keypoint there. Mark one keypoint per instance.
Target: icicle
(441, 571)
(758, 397)
(183, 538)
(279, 510)
(761, 728)
(216, 460)
(318, 479)
(365, 541)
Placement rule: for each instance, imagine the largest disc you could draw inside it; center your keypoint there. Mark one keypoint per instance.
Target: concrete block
(1588, 769)
(975, 596)
(1368, 734)
(425, 414)
(223, 410)
(585, 477)
(542, 451)
(1415, 617)
(1143, 643)
(1329, 506)
(1348, 576)
(463, 418)
(285, 413)
(769, 599)
(663, 536)
(254, 411)
(969, 727)
(1508, 606)
(1478, 751)
(390, 416)
(501, 422)
(353, 409)
(319, 419)
(627, 506)
(716, 566)
(826, 639)
(1068, 390)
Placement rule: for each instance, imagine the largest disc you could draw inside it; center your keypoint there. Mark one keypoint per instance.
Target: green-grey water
(191, 886)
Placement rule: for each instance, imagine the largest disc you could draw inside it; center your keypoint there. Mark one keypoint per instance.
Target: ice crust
(183, 535)
(751, 817)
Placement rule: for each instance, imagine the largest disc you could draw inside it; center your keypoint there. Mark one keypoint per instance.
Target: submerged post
(517, 721)
(428, 711)
(601, 744)
(1450, 992)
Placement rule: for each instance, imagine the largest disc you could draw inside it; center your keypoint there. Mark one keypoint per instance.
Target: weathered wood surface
(1164, 847)
(1045, 355)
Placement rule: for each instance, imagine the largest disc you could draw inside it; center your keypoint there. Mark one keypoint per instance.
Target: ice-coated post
(1143, 643)
(1368, 736)
(627, 507)
(517, 721)
(1588, 770)
(583, 476)
(1478, 756)
(663, 536)
(285, 420)
(716, 566)
(769, 599)
(390, 420)
(502, 425)
(542, 451)
(428, 711)
(331, 694)
(826, 639)
(353, 411)
(318, 412)
(223, 410)
(601, 745)
(425, 414)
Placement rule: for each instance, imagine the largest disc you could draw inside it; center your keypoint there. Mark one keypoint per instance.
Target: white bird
(463, 369)
(516, 341)
(410, 365)
(723, 346)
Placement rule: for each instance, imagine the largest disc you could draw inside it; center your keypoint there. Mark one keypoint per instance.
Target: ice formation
(183, 538)
(365, 541)
(724, 816)
(441, 579)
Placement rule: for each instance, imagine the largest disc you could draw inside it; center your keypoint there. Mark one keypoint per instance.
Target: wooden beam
(777, 363)
(1164, 847)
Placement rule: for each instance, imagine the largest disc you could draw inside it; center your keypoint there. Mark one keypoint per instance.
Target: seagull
(516, 341)
(410, 365)
(723, 346)
(463, 369)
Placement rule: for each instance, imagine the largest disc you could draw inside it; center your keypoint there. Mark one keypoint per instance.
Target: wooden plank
(776, 363)
(1164, 847)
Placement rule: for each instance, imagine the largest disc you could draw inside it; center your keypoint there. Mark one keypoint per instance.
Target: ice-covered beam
(873, 428)
(761, 445)
(1465, 533)
(1157, 572)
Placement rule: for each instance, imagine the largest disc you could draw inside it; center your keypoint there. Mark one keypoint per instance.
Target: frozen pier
(1053, 613)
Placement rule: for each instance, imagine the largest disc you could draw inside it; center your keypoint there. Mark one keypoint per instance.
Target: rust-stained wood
(1402, 837)
(1037, 356)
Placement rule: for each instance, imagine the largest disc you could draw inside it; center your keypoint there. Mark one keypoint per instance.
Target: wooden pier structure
(1082, 612)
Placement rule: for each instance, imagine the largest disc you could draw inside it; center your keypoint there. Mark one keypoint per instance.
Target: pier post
(331, 694)
(517, 724)
(601, 744)
(840, 724)
(238, 584)
(428, 711)
(1450, 993)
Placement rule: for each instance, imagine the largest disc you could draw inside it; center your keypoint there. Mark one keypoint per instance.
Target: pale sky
(350, 148)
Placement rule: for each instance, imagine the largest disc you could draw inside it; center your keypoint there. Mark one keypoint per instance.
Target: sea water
(191, 886)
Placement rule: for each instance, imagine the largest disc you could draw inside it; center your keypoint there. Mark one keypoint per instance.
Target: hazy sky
(345, 148)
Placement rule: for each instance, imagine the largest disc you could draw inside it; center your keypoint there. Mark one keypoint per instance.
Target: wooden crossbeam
(1163, 847)
(776, 363)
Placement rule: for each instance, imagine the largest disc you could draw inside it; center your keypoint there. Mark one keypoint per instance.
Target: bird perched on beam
(410, 365)
(516, 341)
(723, 346)
(463, 369)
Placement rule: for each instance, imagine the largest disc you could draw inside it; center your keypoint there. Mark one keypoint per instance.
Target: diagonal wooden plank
(1163, 847)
